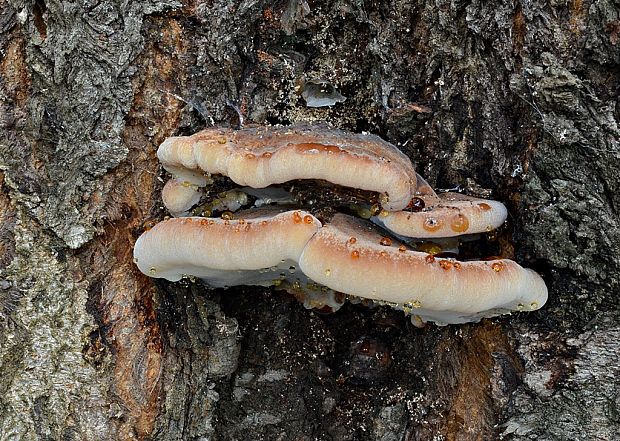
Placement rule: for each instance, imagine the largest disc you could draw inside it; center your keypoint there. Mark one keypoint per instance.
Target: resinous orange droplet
(445, 264)
(497, 266)
(430, 258)
(352, 240)
(267, 155)
(459, 223)
(431, 224)
(297, 217)
(355, 254)
(308, 219)
(402, 248)
(484, 206)
(385, 241)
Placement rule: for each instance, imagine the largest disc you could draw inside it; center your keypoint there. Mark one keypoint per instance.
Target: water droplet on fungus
(267, 155)
(430, 258)
(227, 215)
(520, 306)
(402, 248)
(308, 219)
(355, 254)
(328, 272)
(297, 217)
(534, 305)
(153, 270)
(497, 266)
(352, 240)
(484, 206)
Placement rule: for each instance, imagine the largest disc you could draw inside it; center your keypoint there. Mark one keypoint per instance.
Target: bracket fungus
(322, 255)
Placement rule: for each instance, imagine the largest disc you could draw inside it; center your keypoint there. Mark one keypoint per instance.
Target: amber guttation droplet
(297, 217)
(148, 225)
(211, 222)
(227, 215)
(375, 209)
(267, 155)
(226, 222)
(352, 240)
(355, 254)
(445, 264)
(416, 204)
(497, 266)
(457, 265)
(241, 221)
(534, 305)
(328, 272)
(431, 224)
(384, 213)
(430, 258)
(402, 248)
(484, 206)
(204, 222)
(308, 219)
(459, 223)
(250, 155)
(264, 222)
(222, 140)
(385, 241)
(383, 254)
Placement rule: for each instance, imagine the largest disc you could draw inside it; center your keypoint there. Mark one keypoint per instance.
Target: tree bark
(514, 99)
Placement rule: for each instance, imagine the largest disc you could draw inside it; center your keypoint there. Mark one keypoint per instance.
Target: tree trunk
(518, 99)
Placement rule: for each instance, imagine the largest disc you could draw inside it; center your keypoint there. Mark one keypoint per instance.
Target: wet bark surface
(516, 100)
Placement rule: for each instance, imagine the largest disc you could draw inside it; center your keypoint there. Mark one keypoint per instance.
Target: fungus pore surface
(316, 253)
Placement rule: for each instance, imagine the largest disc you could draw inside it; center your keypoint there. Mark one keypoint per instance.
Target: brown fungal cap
(259, 157)
(449, 215)
(218, 250)
(443, 290)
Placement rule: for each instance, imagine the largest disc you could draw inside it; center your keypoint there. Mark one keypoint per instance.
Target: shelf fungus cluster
(375, 232)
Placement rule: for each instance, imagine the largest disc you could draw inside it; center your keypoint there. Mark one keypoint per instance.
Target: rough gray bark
(518, 99)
